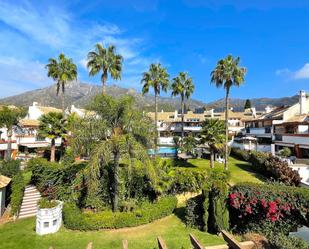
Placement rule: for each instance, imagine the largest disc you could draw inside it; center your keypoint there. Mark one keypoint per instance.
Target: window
(46, 224)
(172, 116)
(54, 222)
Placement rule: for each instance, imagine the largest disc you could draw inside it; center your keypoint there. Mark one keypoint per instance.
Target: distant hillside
(258, 103)
(79, 94)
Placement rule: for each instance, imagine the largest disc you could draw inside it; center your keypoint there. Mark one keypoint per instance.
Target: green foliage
(53, 125)
(270, 166)
(9, 116)
(60, 181)
(9, 168)
(208, 211)
(188, 144)
(247, 104)
(252, 205)
(61, 71)
(282, 241)
(45, 203)
(194, 214)
(18, 187)
(105, 60)
(285, 152)
(146, 212)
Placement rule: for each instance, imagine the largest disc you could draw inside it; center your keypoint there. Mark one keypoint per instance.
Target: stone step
(30, 191)
(29, 204)
(27, 197)
(27, 210)
(26, 215)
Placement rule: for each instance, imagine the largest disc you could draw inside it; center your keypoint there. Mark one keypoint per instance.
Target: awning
(37, 145)
(284, 144)
(4, 181)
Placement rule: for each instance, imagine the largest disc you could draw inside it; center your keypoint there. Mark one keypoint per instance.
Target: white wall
(166, 141)
(295, 139)
(252, 146)
(2, 201)
(303, 172)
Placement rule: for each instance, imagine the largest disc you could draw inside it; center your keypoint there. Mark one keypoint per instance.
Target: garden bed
(147, 212)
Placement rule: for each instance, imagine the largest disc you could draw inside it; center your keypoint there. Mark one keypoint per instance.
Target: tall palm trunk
(212, 159)
(104, 79)
(62, 100)
(116, 181)
(182, 117)
(9, 148)
(52, 150)
(226, 128)
(156, 120)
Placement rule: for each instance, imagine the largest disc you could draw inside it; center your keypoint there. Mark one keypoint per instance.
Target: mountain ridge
(79, 94)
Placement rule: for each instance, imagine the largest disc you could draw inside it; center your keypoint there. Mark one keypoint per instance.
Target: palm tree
(227, 73)
(61, 71)
(52, 126)
(213, 134)
(158, 79)
(124, 132)
(182, 85)
(105, 60)
(8, 118)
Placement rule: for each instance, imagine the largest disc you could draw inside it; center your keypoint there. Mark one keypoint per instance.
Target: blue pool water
(163, 151)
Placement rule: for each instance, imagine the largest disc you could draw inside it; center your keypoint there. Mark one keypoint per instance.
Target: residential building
(285, 126)
(170, 125)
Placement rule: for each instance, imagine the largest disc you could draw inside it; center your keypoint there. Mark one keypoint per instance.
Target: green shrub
(209, 211)
(147, 212)
(194, 214)
(285, 152)
(9, 168)
(282, 241)
(283, 206)
(269, 166)
(45, 203)
(18, 187)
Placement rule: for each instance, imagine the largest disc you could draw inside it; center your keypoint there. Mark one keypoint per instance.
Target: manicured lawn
(241, 171)
(21, 234)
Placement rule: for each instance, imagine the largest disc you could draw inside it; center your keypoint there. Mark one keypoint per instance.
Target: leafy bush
(282, 241)
(53, 178)
(45, 203)
(9, 168)
(254, 204)
(285, 152)
(194, 215)
(18, 187)
(208, 211)
(147, 212)
(269, 166)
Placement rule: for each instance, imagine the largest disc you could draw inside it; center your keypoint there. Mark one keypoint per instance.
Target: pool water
(302, 232)
(163, 150)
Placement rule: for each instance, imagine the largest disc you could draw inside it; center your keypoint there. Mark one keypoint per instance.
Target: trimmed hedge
(253, 204)
(18, 187)
(269, 166)
(147, 212)
(9, 168)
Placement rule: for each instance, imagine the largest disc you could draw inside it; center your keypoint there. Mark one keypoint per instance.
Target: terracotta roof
(29, 122)
(297, 118)
(170, 116)
(47, 109)
(4, 181)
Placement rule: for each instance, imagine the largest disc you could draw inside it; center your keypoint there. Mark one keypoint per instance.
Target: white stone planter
(49, 220)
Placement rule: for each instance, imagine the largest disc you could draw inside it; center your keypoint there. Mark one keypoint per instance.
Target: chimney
(302, 102)
(253, 110)
(34, 103)
(268, 109)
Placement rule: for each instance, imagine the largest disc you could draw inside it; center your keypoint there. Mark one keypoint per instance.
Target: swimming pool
(164, 151)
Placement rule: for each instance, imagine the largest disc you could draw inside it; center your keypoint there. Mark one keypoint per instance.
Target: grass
(241, 171)
(21, 234)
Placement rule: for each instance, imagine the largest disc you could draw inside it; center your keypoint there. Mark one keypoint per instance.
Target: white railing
(166, 141)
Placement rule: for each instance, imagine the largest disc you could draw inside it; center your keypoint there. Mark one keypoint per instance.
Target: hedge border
(75, 219)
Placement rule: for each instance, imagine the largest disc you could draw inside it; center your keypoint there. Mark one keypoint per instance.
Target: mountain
(258, 103)
(79, 94)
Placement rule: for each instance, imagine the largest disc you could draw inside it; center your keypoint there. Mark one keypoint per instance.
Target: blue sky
(271, 37)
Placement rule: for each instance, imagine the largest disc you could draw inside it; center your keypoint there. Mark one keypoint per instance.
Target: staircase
(29, 204)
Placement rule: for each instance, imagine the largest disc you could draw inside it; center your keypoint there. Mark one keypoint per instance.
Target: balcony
(262, 132)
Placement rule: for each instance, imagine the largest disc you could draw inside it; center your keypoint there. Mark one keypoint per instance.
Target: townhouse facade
(25, 138)
(285, 126)
(170, 124)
